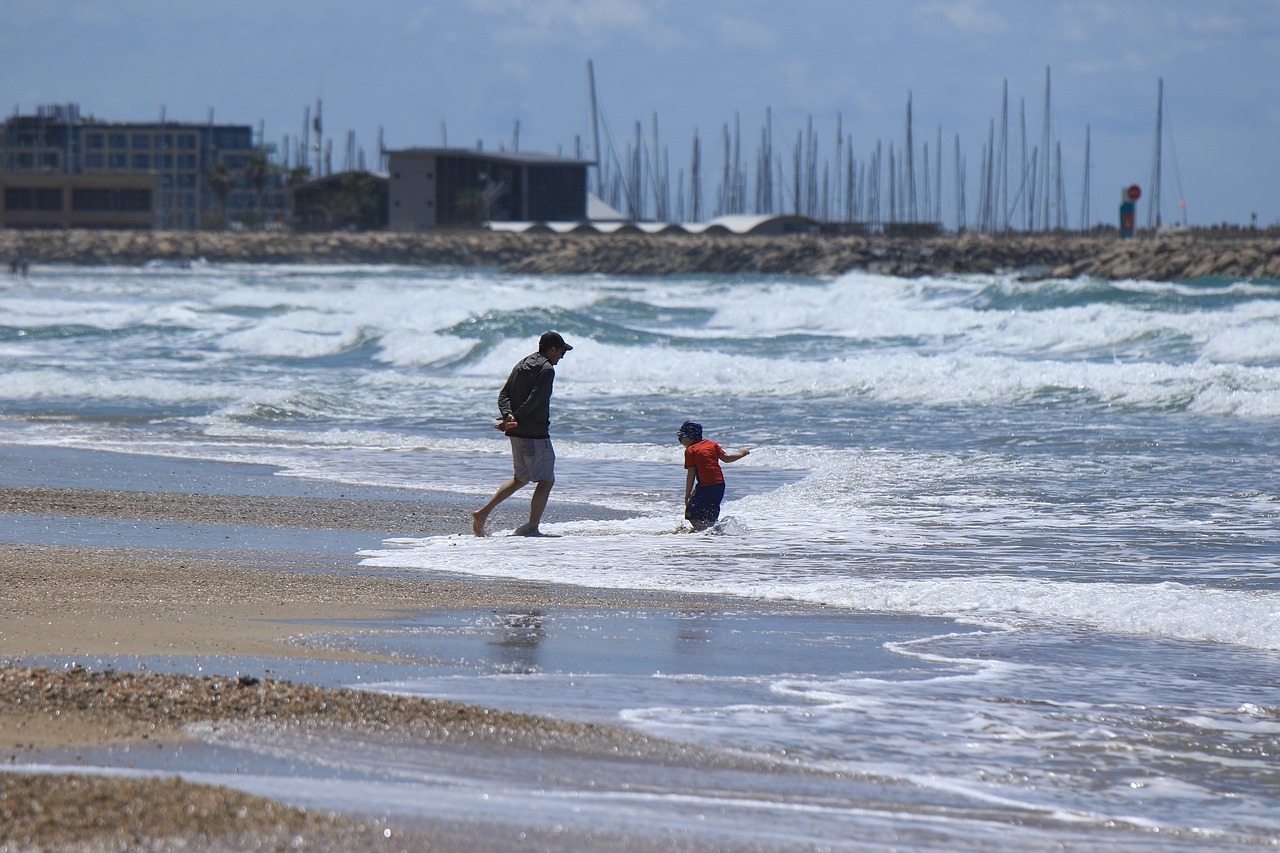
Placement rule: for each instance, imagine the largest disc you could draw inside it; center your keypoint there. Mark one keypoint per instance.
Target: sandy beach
(61, 604)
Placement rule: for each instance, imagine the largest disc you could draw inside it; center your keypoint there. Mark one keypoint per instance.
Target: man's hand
(506, 423)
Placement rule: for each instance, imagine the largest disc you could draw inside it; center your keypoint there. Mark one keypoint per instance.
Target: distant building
(453, 187)
(55, 200)
(57, 149)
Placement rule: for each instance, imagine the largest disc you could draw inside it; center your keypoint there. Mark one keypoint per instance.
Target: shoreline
(63, 604)
(1181, 255)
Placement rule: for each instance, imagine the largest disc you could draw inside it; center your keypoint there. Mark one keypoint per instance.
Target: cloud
(740, 32)
(557, 20)
(970, 16)
(1207, 24)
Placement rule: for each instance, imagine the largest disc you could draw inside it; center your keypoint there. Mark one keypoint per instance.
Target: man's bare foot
(526, 530)
(478, 519)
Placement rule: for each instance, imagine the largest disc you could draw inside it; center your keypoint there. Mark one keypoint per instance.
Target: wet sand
(74, 707)
(67, 602)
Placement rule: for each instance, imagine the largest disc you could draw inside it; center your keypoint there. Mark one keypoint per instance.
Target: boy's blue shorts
(704, 503)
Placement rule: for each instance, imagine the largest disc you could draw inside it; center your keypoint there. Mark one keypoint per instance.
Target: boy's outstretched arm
(735, 456)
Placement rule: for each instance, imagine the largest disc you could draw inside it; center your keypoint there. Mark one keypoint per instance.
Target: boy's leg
(704, 506)
(506, 490)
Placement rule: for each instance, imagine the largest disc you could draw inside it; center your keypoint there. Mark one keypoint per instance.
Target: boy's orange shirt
(704, 458)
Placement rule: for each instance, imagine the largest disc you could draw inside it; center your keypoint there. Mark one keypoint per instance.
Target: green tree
(470, 205)
(220, 181)
(297, 175)
(354, 203)
(258, 169)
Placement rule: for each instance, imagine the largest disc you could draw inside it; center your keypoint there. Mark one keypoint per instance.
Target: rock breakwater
(1182, 256)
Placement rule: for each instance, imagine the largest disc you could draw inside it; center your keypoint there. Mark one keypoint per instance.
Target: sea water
(1064, 490)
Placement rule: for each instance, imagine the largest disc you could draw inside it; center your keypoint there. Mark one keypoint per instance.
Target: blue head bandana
(689, 429)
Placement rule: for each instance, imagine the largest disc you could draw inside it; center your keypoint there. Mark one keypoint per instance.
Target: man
(525, 407)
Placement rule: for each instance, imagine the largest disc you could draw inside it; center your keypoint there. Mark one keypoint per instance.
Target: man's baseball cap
(552, 339)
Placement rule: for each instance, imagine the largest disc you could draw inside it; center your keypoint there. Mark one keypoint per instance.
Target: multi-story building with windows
(60, 169)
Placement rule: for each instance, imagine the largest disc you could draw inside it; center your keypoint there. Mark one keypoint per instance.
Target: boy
(702, 458)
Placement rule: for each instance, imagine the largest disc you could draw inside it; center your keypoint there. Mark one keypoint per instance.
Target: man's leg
(506, 490)
(537, 504)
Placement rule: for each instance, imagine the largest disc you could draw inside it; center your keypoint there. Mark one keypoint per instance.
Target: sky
(467, 72)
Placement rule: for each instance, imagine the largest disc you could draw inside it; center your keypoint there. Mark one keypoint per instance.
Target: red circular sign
(1134, 192)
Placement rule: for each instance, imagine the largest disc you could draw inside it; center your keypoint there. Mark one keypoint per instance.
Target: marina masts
(1153, 207)
(595, 127)
(1044, 148)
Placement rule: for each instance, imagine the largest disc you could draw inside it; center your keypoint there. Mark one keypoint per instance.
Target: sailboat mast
(1153, 207)
(1044, 152)
(909, 168)
(1084, 202)
(595, 127)
(1003, 214)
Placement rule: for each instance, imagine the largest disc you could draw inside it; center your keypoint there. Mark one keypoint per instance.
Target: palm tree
(297, 175)
(470, 205)
(257, 169)
(220, 181)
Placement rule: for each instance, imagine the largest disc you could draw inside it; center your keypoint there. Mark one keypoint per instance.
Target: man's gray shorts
(534, 458)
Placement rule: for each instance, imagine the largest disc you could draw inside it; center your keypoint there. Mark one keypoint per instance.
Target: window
(186, 180)
(94, 161)
(117, 161)
(141, 140)
(187, 142)
(142, 161)
(32, 198)
(117, 140)
(119, 200)
(232, 137)
(94, 140)
(186, 161)
(164, 161)
(164, 140)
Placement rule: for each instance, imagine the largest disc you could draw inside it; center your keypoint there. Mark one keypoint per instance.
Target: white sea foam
(638, 554)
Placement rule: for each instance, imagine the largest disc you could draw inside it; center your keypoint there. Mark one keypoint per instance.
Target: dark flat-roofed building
(457, 187)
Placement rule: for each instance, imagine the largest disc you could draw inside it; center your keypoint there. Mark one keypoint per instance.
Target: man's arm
(506, 420)
(537, 396)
